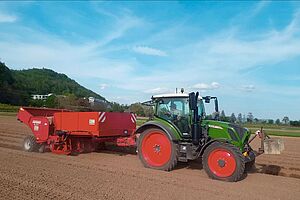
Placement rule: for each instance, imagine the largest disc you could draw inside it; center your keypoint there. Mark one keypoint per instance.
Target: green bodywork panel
(217, 130)
(175, 130)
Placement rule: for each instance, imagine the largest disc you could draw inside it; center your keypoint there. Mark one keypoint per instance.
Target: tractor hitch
(268, 145)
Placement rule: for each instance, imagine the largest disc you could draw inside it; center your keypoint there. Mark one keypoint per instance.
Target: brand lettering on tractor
(216, 127)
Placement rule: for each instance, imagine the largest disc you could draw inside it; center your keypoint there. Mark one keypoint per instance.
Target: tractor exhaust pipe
(193, 98)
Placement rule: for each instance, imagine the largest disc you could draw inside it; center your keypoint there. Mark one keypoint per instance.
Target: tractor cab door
(175, 110)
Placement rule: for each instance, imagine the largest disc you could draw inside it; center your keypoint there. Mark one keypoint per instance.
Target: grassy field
(277, 130)
(8, 108)
(8, 113)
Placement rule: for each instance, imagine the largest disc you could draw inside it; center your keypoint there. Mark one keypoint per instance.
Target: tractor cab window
(175, 110)
(201, 109)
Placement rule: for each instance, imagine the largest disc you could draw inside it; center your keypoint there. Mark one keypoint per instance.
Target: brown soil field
(120, 174)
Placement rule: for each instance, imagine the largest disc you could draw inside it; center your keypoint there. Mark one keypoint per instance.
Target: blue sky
(246, 53)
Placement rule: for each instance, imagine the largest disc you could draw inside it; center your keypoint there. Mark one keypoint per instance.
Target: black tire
(41, 148)
(249, 165)
(100, 146)
(30, 144)
(172, 162)
(239, 168)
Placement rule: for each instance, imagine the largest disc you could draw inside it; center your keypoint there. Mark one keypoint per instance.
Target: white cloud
(103, 86)
(204, 86)
(149, 51)
(122, 25)
(259, 7)
(248, 88)
(217, 57)
(5, 18)
(39, 49)
(157, 90)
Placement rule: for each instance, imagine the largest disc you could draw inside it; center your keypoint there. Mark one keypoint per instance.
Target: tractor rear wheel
(156, 150)
(223, 161)
(30, 144)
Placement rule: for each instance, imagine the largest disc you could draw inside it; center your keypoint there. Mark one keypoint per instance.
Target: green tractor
(180, 132)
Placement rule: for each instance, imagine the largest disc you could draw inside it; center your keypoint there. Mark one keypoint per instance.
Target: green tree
(137, 108)
(115, 107)
(222, 116)
(250, 117)
(277, 121)
(240, 118)
(232, 118)
(51, 102)
(286, 120)
(295, 123)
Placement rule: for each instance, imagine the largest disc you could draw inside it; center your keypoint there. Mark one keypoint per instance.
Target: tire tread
(35, 146)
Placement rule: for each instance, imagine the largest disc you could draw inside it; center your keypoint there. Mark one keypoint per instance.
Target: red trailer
(66, 132)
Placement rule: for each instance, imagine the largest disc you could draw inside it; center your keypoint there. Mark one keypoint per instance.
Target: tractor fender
(209, 143)
(155, 124)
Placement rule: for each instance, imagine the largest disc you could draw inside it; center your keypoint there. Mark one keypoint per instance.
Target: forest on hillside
(17, 86)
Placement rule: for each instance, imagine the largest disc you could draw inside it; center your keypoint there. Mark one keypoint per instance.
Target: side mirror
(207, 99)
(192, 101)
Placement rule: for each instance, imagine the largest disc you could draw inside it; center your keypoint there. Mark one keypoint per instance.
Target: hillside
(16, 86)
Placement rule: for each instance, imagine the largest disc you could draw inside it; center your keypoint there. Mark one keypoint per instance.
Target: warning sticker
(92, 121)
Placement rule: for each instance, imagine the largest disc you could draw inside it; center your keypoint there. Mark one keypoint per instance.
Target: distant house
(93, 100)
(41, 96)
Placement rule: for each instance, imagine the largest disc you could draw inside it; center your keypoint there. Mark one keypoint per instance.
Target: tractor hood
(227, 130)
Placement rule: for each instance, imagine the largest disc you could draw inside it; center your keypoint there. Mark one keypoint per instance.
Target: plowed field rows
(120, 175)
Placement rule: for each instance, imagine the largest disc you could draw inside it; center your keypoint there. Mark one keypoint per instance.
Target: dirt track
(117, 175)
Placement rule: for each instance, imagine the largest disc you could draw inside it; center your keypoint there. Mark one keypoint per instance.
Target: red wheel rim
(156, 149)
(221, 162)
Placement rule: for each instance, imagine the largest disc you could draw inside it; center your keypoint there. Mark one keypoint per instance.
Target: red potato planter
(66, 132)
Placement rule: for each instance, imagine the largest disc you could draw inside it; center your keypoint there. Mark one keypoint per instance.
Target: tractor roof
(172, 95)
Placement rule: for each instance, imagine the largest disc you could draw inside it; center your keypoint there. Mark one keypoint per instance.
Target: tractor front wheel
(223, 161)
(156, 150)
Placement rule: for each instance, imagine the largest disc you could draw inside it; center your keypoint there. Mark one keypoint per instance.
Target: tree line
(249, 118)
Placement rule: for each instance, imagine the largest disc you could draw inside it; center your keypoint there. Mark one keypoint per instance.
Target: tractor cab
(176, 109)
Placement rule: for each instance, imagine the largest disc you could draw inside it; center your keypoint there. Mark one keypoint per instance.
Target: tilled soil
(120, 175)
